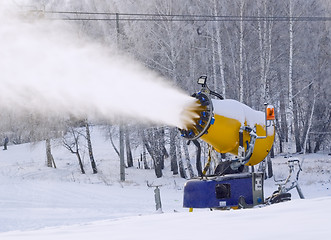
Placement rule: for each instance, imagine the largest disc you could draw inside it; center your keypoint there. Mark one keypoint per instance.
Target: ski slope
(299, 219)
(37, 202)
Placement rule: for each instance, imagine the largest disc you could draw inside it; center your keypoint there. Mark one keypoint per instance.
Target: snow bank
(299, 219)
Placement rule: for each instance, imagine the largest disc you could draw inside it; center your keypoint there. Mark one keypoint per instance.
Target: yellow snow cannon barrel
(228, 126)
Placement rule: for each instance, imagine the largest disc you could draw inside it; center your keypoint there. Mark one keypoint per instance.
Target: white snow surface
(37, 202)
(233, 109)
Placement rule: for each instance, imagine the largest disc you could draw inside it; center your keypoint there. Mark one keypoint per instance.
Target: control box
(240, 190)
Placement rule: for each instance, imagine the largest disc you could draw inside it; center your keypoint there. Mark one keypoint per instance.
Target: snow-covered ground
(37, 202)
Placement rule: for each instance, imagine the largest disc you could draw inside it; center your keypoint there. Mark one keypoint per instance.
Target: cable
(174, 17)
(197, 20)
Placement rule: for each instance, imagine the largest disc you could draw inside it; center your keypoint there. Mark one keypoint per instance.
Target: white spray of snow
(46, 70)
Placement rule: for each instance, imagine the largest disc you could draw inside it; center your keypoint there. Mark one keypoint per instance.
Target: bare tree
(151, 142)
(71, 142)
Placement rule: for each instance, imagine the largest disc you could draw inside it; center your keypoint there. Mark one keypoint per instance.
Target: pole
(157, 196)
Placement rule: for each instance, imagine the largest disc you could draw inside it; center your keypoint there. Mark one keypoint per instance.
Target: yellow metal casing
(230, 116)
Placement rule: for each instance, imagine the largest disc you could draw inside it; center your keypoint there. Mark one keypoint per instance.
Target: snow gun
(242, 137)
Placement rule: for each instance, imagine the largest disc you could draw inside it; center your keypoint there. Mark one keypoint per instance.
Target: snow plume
(45, 70)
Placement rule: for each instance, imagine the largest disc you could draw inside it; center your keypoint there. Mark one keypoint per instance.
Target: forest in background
(281, 56)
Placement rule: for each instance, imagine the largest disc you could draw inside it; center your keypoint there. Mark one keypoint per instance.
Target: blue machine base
(224, 191)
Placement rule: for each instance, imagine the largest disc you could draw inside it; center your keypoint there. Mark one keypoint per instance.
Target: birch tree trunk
(129, 157)
(188, 161)
(282, 126)
(182, 171)
(323, 132)
(80, 162)
(290, 114)
(122, 163)
(172, 151)
(241, 64)
(265, 45)
(144, 158)
(198, 157)
(306, 130)
(112, 142)
(214, 63)
(49, 156)
(219, 51)
(89, 145)
(262, 70)
(152, 147)
(161, 146)
(296, 127)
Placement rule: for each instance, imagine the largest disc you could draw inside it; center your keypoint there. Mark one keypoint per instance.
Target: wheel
(280, 197)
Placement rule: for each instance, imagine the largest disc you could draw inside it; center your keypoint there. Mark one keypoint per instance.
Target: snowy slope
(299, 219)
(35, 196)
(37, 202)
